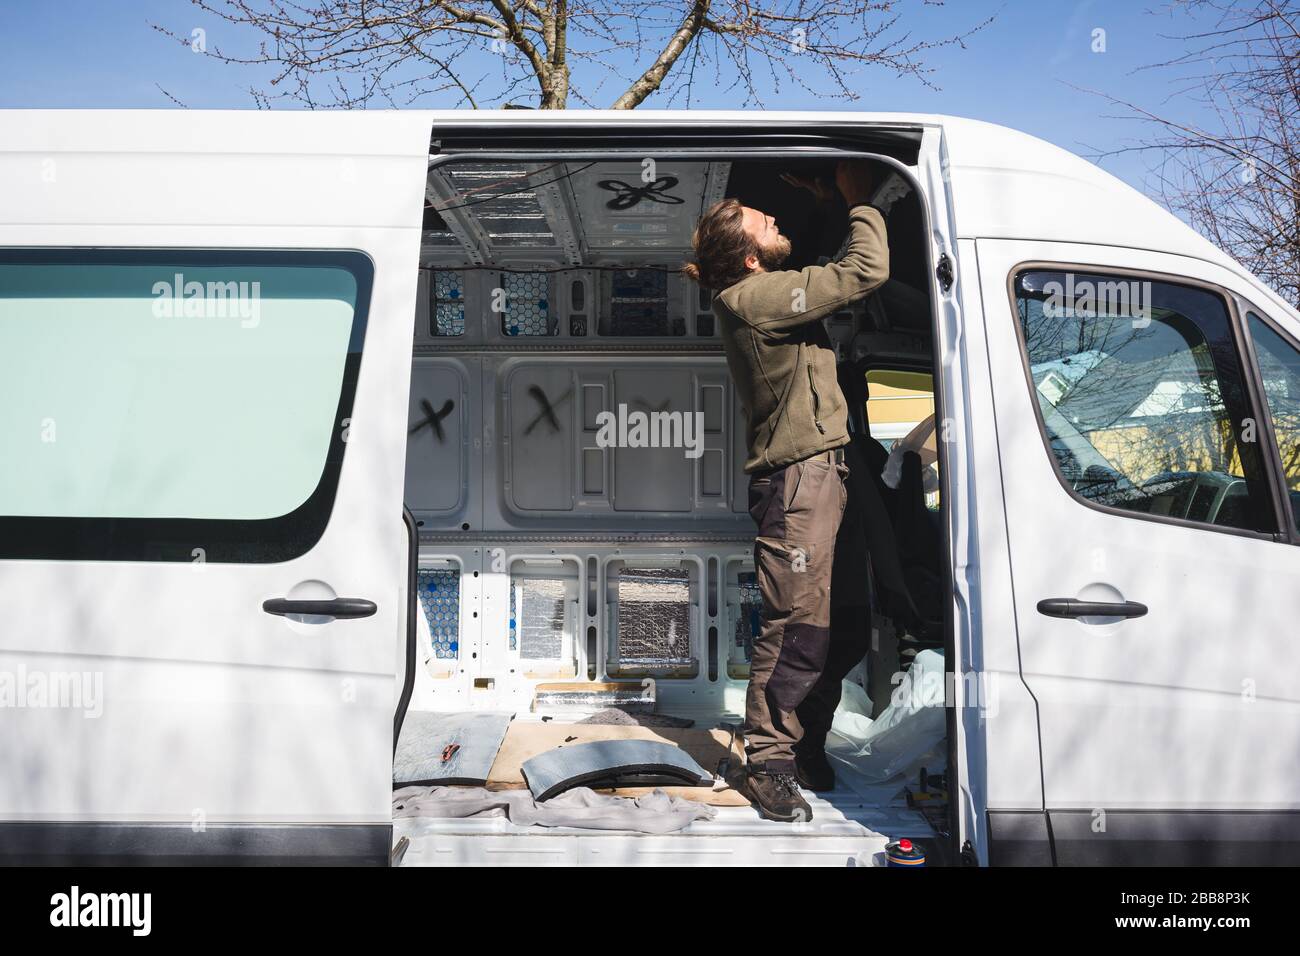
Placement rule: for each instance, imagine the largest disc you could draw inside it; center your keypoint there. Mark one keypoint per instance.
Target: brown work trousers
(798, 510)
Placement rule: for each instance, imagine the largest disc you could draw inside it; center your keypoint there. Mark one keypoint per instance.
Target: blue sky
(1021, 71)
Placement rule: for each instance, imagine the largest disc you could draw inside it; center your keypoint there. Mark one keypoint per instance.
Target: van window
(1141, 397)
(1279, 367)
(174, 406)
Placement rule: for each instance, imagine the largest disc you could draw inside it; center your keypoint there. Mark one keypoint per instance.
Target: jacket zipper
(817, 401)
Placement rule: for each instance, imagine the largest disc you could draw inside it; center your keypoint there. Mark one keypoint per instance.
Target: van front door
(1154, 597)
(205, 334)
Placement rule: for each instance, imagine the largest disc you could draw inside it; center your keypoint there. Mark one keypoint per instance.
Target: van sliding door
(205, 335)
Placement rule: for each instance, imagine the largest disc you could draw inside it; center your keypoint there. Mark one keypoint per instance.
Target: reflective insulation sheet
(439, 594)
(654, 617)
(448, 302)
(638, 304)
(503, 199)
(527, 301)
(537, 617)
(748, 616)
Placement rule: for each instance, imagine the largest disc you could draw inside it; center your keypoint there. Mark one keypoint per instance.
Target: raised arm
(776, 301)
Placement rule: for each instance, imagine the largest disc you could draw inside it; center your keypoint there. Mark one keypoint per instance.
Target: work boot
(776, 796)
(813, 771)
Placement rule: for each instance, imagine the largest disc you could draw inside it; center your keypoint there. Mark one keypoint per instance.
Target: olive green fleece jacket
(780, 355)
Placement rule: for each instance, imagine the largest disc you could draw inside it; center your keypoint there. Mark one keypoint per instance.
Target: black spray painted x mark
(433, 419)
(652, 408)
(547, 413)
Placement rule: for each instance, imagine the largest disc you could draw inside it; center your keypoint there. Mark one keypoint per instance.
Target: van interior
(580, 589)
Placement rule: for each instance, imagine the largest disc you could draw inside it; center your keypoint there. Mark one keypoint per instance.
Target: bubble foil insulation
(654, 617)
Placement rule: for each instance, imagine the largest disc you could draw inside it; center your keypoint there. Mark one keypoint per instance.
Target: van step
(836, 836)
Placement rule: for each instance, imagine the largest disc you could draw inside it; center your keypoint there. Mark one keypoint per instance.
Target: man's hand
(821, 189)
(853, 177)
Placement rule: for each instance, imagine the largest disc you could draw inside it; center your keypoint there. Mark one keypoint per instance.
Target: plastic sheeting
(921, 440)
(654, 617)
(907, 735)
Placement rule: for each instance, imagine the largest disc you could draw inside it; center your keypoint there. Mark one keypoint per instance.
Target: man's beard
(773, 257)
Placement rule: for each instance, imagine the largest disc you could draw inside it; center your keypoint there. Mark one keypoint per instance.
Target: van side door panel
(205, 334)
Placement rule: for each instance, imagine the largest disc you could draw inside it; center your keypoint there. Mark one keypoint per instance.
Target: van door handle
(335, 607)
(1070, 607)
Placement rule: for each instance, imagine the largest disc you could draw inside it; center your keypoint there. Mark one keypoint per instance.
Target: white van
(297, 406)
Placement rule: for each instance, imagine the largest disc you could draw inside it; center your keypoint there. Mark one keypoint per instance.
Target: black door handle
(1069, 607)
(335, 607)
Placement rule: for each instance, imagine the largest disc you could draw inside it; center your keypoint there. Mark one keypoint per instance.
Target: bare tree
(353, 53)
(1236, 177)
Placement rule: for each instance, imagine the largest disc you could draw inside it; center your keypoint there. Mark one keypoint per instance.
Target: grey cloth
(602, 762)
(425, 735)
(580, 807)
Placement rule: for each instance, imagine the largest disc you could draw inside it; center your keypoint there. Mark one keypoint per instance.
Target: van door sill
(843, 832)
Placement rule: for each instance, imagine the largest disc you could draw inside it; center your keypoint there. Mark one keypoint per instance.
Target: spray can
(904, 853)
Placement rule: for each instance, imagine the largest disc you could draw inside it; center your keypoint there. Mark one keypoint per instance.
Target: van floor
(850, 827)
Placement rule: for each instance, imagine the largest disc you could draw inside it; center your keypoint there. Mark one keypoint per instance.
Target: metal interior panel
(541, 423)
(629, 205)
(653, 479)
(435, 448)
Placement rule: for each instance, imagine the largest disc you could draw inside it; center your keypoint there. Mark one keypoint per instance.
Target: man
(783, 365)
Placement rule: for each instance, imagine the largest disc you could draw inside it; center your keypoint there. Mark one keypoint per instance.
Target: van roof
(1004, 183)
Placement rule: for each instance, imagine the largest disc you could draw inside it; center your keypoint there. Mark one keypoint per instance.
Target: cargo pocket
(799, 664)
(767, 504)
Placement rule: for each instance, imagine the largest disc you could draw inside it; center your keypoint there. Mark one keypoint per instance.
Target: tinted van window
(167, 405)
(1140, 393)
(1279, 367)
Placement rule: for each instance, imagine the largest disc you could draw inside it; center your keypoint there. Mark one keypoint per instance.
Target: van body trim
(1177, 838)
(464, 538)
(702, 346)
(409, 656)
(1019, 838)
(900, 142)
(161, 844)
